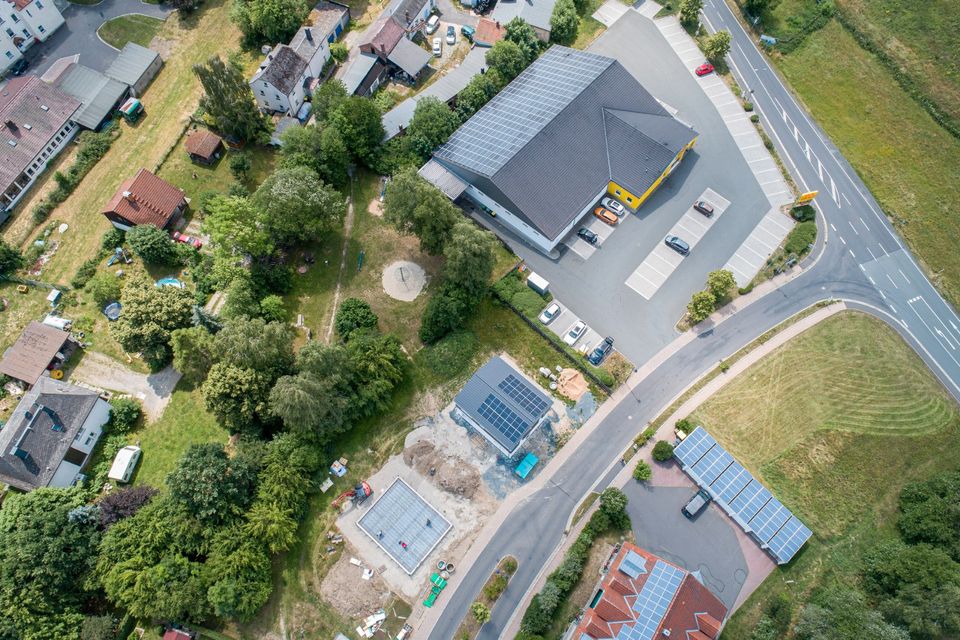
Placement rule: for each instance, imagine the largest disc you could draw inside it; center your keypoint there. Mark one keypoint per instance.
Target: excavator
(357, 495)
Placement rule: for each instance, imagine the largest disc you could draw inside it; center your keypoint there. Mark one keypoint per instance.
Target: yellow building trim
(633, 201)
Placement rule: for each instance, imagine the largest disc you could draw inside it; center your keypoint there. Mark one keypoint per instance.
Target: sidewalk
(760, 565)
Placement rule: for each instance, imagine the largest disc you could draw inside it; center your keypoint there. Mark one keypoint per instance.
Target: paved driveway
(79, 34)
(595, 288)
(706, 545)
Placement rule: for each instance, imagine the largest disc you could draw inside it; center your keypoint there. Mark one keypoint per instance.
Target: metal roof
(97, 93)
(503, 404)
(409, 57)
(536, 13)
(551, 140)
(357, 71)
(742, 496)
(439, 176)
(131, 63)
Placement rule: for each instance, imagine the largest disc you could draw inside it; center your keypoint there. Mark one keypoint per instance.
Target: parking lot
(565, 320)
(612, 286)
(662, 261)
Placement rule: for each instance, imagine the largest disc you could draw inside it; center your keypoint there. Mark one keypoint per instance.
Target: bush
(662, 451)
(452, 354)
(104, 287)
(495, 587)
(112, 239)
(748, 106)
(354, 314)
(510, 566)
(480, 612)
(445, 311)
(605, 377)
(124, 413)
(240, 166)
(701, 305)
(685, 424)
(803, 213)
(84, 273)
(644, 436)
(151, 244)
(339, 52)
(642, 472)
(801, 237)
(754, 118)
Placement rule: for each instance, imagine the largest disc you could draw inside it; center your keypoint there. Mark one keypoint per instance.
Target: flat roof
(132, 63)
(404, 525)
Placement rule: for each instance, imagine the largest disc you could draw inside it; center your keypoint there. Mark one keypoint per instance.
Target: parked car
(124, 464)
(196, 243)
(433, 23)
(19, 67)
(437, 47)
(585, 234)
(575, 333)
(704, 69)
(696, 505)
(451, 35)
(602, 351)
(614, 206)
(677, 245)
(468, 32)
(606, 215)
(704, 207)
(548, 314)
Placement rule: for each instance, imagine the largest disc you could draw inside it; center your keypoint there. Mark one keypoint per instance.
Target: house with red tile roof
(145, 199)
(644, 597)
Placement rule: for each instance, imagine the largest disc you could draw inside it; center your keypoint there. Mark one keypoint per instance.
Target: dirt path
(153, 390)
(347, 229)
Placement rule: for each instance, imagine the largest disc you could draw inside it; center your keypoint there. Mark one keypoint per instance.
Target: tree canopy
(717, 46)
(415, 206)
(361, 127)
(507, 59)
(149, 315)
(295, 205)
(227, 96)
(839, 614)
(211, 486)
(432, 123)
(564, 22)
(354, 314)
(519, 32)
(322, 150)
(477, 93)
(269, 21)
(10, 258)
(235, 227)
(930, 512)
(470, 258)
(151, 244)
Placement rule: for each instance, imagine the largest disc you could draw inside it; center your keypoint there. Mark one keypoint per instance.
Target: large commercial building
(573, 127)
(24, 23)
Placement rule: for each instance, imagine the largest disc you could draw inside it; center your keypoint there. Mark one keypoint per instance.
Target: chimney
(309, 33)
(128, 196)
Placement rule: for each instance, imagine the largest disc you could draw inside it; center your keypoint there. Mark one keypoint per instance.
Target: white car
(613, 205)
(451, 35)
(433, 23)
(548, 314)
(576, 332)
(437, 46)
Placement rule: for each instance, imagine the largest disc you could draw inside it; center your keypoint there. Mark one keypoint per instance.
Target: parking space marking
(660, 264)
(757, 247)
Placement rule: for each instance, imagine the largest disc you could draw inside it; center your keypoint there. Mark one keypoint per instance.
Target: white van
(124, 464)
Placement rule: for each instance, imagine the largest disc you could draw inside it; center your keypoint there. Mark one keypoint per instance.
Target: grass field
(133, 27)
(905, 158)
(178, 169)
(835, 423)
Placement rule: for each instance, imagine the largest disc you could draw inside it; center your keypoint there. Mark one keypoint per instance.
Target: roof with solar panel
(503, 404)
(559, 132)
(642, 597)
(742, 496)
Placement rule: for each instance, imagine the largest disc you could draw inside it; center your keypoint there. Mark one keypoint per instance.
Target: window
(617, 192)
(276, 96)
(26, 34)
(89, 439)
(41, 29)
(10, 32)
(39, 4)
(262, 93)
(9, 55)
(15, 18)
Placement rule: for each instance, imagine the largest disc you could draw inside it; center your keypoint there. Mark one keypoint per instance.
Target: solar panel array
(503, 419)
(742, 496)
(656, 595)
(523, 394)
(489, 139)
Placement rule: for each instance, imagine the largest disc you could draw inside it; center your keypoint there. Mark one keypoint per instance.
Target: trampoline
(112, 311)
(404, 525)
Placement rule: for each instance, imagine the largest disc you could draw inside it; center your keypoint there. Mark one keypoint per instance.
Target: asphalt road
(863, 261)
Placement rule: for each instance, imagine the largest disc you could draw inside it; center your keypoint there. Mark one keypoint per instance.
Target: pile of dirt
(450, 473)
(351, 595)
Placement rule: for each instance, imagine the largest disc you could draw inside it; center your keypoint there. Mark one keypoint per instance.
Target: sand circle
(404, 280)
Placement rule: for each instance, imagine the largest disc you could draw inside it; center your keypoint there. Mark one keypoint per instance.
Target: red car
(196, 243)
(704, 69)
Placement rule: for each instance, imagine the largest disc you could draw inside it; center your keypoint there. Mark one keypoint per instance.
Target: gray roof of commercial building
(43, 426)
(449, 85)
(356, 72)
(503, 403)
(536, 13)
(442, 178)
(409, 57)
(552, 139)
(131, 63)
(282, 69)
(97, 92)
(21, 102)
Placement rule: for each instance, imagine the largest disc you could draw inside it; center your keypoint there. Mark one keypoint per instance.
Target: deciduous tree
(309, 407)
(720, 282)
(149, 315)
(228, 99)
(701, 305)
(841, 613)
(236, 396)
(295, 205)
(322, 150)
(265, 347)
(104, 287)
(689, 12)
(210, 485)
(470, 255)
(507, 58)
(477, 93)
(192, 353)
(413, 205)
(717, 46)
(360, 126)
(269, 21)
(564, 22)
(432, 123)
(123, 503)
(151, 244)
(10, 258)
(352, 315)
(519, 32)
(235, 227)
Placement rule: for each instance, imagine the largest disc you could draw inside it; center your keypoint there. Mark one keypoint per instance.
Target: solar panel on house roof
(692, 448)
(741, 495)
(633, 564)
(503, 419)
(652, 601)
(712, 464)
(790, 538)
(523, 394)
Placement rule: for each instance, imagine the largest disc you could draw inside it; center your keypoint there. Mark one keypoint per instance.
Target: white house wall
(35, 22)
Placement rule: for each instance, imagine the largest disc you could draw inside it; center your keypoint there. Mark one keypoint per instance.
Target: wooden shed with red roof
(644, 597)
(145, 199)
(204, 146)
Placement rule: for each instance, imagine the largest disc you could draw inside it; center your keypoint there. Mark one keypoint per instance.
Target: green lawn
(184, 422)
(590, 28)
(179, 170)
(906, 159)
(129, 28)
(835, 422)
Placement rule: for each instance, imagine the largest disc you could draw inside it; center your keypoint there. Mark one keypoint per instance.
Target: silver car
(550, 313)
(613, 205)
(575, 333)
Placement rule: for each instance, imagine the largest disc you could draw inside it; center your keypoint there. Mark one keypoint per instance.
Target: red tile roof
(489, 32)
(694, 612)
(151, 200)
(22, 4)
(383, 36)
(203, 143)
(176, 634)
